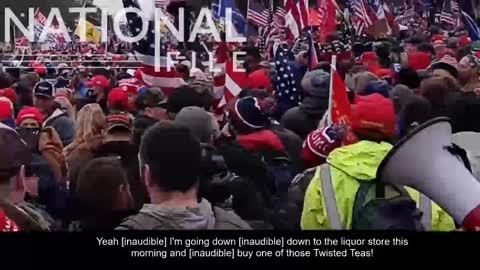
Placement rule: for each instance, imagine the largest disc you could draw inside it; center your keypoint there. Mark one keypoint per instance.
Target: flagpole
(333, 68)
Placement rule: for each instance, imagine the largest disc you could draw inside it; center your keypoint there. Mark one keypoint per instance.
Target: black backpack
(378, 206)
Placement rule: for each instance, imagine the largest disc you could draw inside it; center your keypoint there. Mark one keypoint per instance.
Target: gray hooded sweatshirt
(205, 217)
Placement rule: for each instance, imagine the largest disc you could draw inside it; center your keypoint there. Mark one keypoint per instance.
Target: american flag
(258, 14)
(286, 91)
(296, 17)
(361, 19)
(279, 17)
(274, 32)
(406, 16)
(447, 15)
(162, 3)
(227, 82)
(39, 23)
(167, 78)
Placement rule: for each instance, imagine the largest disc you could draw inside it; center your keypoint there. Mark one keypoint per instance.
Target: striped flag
(406, 16)
(447, 15)
(297, 17)
(279, 17)
(227, 82)
(167, 78)
(162, 3)
(360, 18)
(257, 13)
(328, 22)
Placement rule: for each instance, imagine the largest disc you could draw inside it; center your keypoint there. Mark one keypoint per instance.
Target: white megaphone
(422, 161)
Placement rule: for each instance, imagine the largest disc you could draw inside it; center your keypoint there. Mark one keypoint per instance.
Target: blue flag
(471, 26)
(238, 20)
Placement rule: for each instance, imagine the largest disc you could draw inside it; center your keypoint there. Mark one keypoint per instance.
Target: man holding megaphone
(345, 193)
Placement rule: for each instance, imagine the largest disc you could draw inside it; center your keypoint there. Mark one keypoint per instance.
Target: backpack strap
(329, 196)
(425, 205)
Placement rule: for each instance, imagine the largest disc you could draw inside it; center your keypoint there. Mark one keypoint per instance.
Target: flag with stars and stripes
(286, 91)
(360, 17)
(164, 77)
(227, 81)
(162, 3)
(447, 16)
(257, 13)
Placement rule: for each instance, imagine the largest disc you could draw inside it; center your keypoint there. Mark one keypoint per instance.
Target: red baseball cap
(10, 94)
(6, 108)
(464, 41)
(259, 80)
(369, 57)
(374, 116)
(419, 60)
(29, 112)
(118, 97)
(99, 80)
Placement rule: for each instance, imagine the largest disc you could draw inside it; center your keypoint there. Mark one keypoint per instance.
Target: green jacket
(348, 166)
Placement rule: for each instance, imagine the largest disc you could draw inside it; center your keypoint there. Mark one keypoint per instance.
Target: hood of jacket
(315, 105)
(156, 217)
(360, 160)
(56, 114)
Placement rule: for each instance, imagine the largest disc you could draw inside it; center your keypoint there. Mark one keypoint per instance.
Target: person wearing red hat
(117, 100)
(10, 94)
(260, 80)
(131, 88)
(370, 61)
(464, 41)
(100, 86)
(352, 167)
(373, 122)
(6, 112)
(29, 117)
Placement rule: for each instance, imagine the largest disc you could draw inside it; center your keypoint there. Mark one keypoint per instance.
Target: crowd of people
(88, 148)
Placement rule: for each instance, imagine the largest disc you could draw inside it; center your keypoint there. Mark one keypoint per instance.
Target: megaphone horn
(421, 161)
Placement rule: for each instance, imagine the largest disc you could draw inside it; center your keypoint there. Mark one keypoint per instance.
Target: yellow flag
(91, 33)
